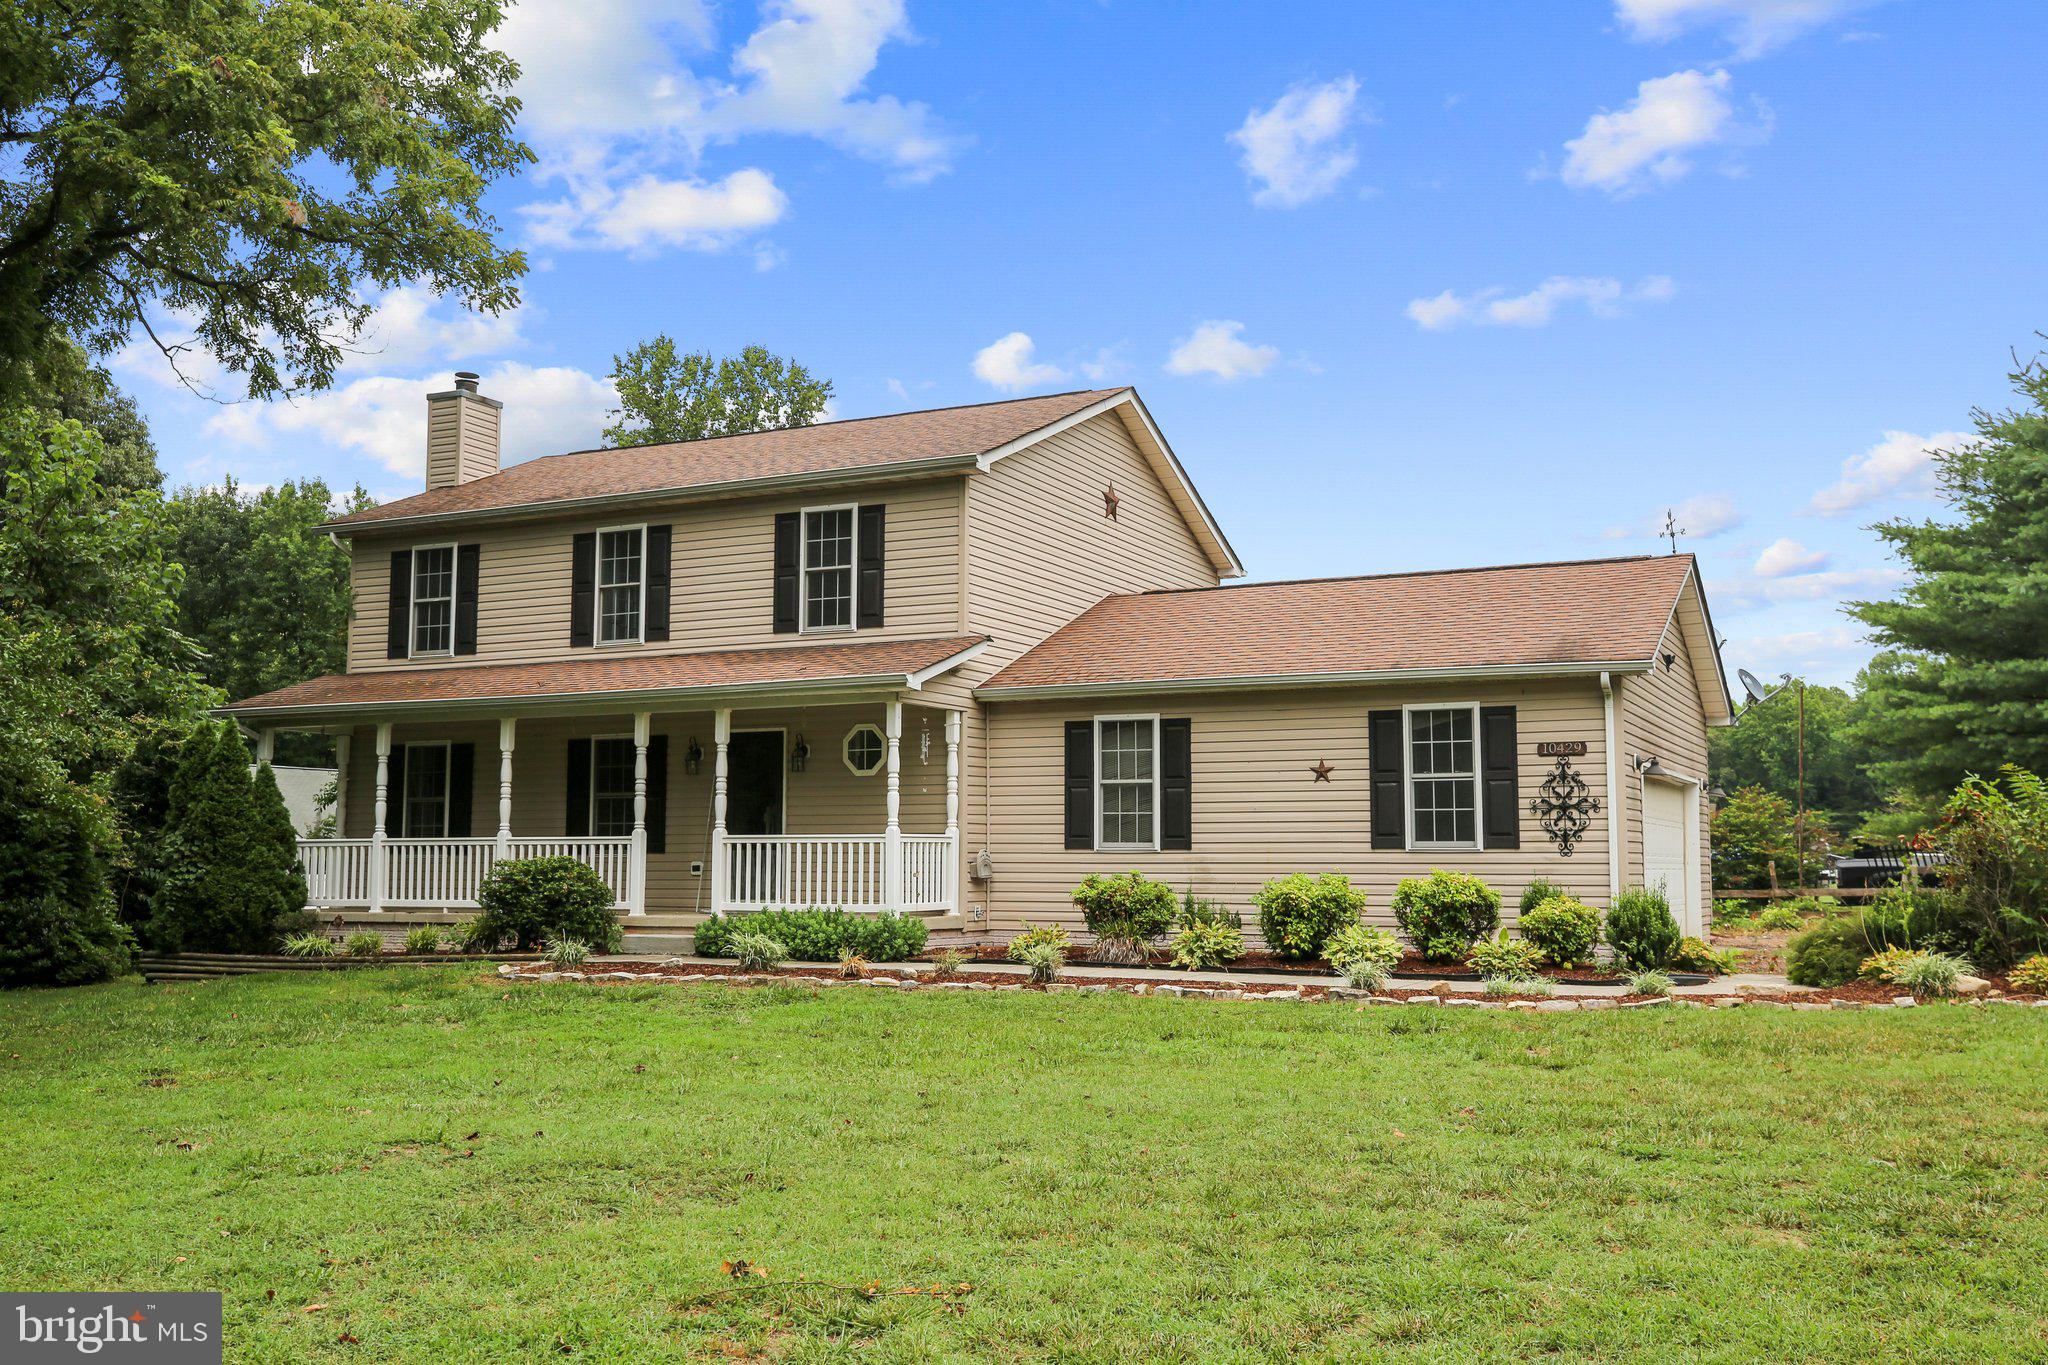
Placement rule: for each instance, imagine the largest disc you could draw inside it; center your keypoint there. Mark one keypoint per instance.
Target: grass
(461, 1170)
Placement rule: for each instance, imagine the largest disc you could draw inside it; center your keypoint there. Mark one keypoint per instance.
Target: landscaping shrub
(476, 936)
(1734, 916)
(1995, 834)
(818, 935)
(364, 944)
(946, 963)
(1697, 955)
(1879, 966)
(1202, 946)
(1445, 913)
(1931, 973)
(1513, 958)
(1828, 954)
(424, 938)
(2032, 975)
(1298, 913)
(230, 874)
(852, 965)
(1046, 960)
(1195, 911)
(1033, 936)
(1777, 918)
(1366, 974)
(531, 900)
(1362, 943)
(1649, 982)
(1539, 890)
(1640, 928)
(567, 952)
(1563, 929)
(757, 952)
(1124, 911)
(308, 945)
(57, 924)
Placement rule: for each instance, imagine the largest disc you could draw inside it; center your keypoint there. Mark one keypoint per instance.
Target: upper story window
(425, 815)
(621, 584)
(827, 576)
(1127, 782)
(433, 599)
(611, 786)
(1443, 777)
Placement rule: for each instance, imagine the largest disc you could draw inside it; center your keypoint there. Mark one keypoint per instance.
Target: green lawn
(462, 1170)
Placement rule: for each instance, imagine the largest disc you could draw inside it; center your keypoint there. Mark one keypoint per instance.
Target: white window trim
(803, 571)
(1096, 831)
(1408, 777)
(447, 787)
(412, 609)
(598, 586)
(846, 746)
(590, 819)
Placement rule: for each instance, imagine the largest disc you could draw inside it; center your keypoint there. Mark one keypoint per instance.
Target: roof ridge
(1404, 573)
(812, 426)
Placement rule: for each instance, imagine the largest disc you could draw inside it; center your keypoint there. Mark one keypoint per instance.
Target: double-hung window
(426, 792)
(621, 584)
(828, 568)
(433, 599)
(1443, 777)
(611, 786)
(1127, 782)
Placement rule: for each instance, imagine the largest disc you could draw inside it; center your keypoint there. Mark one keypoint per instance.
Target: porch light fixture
(799, 756)
(693, 756)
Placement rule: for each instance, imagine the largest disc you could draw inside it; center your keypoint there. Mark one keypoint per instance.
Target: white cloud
(652, 212)
(1649, 140)
(1785, 556)
(1006, 363)
(1699, 517)
(1294, 151)
(601, 69)
(1754, 26)
(1603, 296)
(384, 417)
(411, 325)
(1216, 348)
(1742, 591)
(1834, 652)
(1899, 465)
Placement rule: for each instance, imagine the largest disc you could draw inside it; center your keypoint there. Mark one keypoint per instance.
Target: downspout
(1613, 766)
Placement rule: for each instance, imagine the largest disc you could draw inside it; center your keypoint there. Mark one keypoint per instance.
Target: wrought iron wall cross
(1566, 807)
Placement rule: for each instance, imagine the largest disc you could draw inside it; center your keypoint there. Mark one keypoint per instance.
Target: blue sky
(1407, 285)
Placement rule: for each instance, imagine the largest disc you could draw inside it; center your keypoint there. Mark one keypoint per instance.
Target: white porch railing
(847, 871)
(442, 874)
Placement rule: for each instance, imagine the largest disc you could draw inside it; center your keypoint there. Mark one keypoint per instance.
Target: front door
(753, 787)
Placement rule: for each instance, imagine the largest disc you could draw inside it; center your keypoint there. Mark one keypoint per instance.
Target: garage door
(1664, 848)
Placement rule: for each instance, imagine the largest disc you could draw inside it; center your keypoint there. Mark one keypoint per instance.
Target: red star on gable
(1322, 771)
(1109, 502)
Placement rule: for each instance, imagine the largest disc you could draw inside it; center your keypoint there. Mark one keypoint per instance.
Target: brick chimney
(462, 434)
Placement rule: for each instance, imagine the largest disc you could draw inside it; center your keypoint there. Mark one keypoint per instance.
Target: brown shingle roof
(625, 673)
(1588, 611)
(862, 443)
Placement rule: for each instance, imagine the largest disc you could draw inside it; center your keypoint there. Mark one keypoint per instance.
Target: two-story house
(948, 663)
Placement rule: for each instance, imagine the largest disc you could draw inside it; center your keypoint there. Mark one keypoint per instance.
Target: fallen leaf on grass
(314, 1308)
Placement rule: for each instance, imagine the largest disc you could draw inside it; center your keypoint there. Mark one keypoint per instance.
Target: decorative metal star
(1322, 771)
(1109, 502)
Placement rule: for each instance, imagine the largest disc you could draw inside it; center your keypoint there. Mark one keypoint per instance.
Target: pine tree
(276, 850)
(218, 891)
(1966, 689)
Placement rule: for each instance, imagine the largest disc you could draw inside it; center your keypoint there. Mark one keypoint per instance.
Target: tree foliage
(1762, 750)
(57, 926)
(249, 166)
(69, 385)
(1755, 829)
(666, 395)
(1965, 687)
(229, 877)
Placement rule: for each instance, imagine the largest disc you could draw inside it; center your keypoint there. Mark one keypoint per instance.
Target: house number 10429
(1561, 748)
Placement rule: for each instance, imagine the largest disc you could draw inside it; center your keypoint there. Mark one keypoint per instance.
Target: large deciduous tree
(1964, 689)
(248, 166)
(666, 395)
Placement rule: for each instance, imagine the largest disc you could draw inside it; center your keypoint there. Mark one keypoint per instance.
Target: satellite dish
(1755, 689)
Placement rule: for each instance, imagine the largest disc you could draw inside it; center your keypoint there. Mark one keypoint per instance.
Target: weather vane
(1672, 530)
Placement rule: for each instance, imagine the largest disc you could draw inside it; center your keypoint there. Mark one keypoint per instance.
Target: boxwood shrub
(1297, 914)
(819, 935)
(530, 900)
(1563, 929)
(1641, 930)
(1445, 913)
(1124, 911)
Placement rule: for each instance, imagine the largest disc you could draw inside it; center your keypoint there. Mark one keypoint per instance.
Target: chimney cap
(466, 380)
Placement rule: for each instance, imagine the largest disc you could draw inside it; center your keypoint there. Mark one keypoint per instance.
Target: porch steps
(157, 967)
(670, 942)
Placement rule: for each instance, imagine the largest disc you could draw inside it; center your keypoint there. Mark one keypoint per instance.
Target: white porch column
(341, 748)
(721, 736)
(377, 830)
(266, 745)
(508, 734)
(892, 832)
(953, 720)
(636, 901)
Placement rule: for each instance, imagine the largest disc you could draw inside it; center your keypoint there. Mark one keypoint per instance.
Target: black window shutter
(655, 617)
(461, 788)
(1080, 784)
(576, 819)
(788, 535)
(394, 794)
(1383, 741)
(1500, 800)
(468, 561)
(869, 599)
(657, 794)
(398, 626)
(583, 590)
(1176, 784)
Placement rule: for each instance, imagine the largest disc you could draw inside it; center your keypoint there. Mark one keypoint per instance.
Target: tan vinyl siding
(1660, 716)
(826, 798)
(721, 574)
(478, 451)
(1258, 811)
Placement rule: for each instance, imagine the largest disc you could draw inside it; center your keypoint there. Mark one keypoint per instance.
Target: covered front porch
(682, 813)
